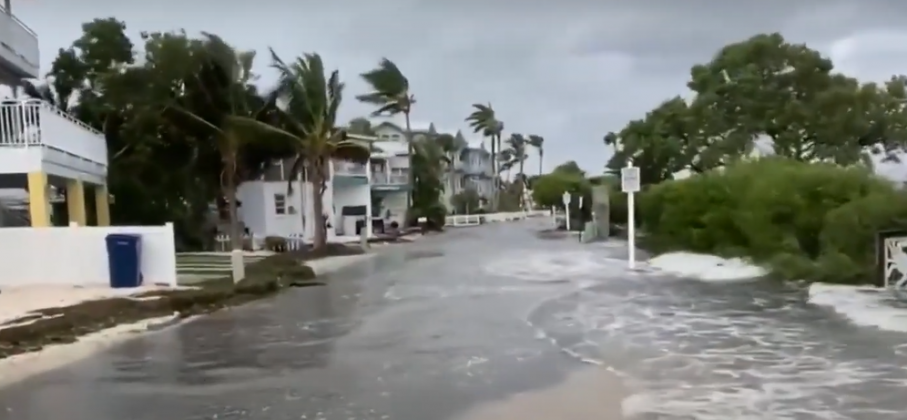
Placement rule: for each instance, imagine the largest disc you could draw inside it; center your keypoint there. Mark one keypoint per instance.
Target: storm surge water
(689, 348)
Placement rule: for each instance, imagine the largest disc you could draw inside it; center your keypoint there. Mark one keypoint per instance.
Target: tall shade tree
(216, 101)
(391, 94)
(309, 121)
(483, 120)
(790, 94)
(538, 142)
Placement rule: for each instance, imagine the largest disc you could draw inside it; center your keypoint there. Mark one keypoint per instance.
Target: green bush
(814, 222)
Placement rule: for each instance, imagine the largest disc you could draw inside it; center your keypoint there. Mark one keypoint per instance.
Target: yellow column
(102, 205)
(38, 203)
(75, 201)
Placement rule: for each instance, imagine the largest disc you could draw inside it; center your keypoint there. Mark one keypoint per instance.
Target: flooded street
(492, 323)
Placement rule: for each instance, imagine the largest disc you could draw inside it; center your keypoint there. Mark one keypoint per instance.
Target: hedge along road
(491, 323)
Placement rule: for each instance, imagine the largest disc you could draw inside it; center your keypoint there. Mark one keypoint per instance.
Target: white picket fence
(477, 219)
(295, 242)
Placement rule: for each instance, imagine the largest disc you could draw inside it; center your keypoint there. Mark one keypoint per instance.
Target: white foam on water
(689, 360)
(706, 267)
(862, 305)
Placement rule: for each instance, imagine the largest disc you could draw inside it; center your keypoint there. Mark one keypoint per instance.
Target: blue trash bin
(124, 259)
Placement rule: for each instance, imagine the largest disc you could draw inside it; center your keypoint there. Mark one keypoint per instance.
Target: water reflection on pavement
(421, 332)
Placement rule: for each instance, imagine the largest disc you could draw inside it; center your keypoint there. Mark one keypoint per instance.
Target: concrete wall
(78, 255)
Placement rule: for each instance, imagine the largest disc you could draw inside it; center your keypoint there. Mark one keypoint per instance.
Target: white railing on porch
(342, 167)
(389, 179)
(33, 122)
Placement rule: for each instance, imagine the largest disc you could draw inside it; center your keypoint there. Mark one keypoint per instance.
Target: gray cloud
(569, 70)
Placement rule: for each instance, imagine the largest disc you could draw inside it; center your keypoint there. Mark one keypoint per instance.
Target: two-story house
(390, 170)
(471, 169)
(269, 208)
(42, 149)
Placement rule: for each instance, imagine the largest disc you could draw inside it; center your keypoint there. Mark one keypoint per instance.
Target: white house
(268, 207)
(390, 168)
(43, 150)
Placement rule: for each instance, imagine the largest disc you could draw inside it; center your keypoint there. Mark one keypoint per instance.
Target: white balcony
(344, 168)
(36, 136)
(382, 178)
(19, 53)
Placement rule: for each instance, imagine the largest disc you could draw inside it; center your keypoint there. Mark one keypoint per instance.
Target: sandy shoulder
(591, 393)
(26, 365)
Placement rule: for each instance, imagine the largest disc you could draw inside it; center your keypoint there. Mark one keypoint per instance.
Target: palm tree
(309, 120)
(516, 143)
(450, 148)
(507, 161)
(538, 142)
(390, 92)
(483, 120)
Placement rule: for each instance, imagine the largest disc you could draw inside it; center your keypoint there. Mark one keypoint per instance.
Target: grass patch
(66, 324)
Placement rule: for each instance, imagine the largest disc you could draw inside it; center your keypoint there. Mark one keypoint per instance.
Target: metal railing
(342, 167)
(33, 122)
(389, 179)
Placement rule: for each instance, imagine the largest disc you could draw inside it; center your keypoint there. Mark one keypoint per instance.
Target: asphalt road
(422, 332)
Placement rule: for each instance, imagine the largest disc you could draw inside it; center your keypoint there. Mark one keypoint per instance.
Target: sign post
(566, 200)
(629, 184)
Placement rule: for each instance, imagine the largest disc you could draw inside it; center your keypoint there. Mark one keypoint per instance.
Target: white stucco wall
(357, 195)
(259, 209)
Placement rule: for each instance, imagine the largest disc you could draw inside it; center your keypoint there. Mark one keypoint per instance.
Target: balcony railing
(382, 178)
(19, 44)
(35, 123)
(342, 167)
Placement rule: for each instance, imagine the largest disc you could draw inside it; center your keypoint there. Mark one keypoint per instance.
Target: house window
(280, 204)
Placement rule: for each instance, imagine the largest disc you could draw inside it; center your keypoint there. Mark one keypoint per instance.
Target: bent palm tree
(390, 92)
(309, 120)
(538, 142)
(216, 104)
(517, 145)
(449, 147)
(483, 120)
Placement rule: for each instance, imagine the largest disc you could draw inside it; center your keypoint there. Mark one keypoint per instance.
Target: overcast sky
(569, 70)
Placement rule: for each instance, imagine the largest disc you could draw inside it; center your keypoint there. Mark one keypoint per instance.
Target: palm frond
(390, 89)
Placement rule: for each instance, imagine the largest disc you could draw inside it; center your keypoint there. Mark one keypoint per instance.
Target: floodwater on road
(492, 323)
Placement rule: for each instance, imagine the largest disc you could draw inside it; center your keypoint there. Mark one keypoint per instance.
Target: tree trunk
(494, 174)
(522, 184)
(541, 155)
(412, 174)
(316, 177)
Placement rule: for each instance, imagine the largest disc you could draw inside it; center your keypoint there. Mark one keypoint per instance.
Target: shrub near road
(808, 221)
